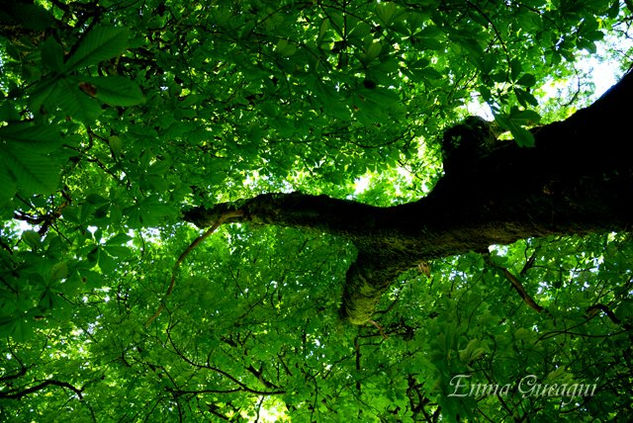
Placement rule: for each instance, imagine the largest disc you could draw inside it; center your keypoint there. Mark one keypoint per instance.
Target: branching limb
(563, 185)
(222, 219)
(241, 385)
(516, 284)
(594, 309)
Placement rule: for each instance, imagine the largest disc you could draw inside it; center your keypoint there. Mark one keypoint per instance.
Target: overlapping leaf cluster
(114, 116)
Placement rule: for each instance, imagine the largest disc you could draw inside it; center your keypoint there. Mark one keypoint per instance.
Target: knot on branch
(467, 142)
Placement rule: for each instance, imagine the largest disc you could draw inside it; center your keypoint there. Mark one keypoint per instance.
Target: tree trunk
(577, 179)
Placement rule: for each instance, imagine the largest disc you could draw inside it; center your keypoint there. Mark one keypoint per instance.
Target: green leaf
(93, 255)
(59, 270)
(22, 330)
(586, 44)
(23, 154)
(594, 35)
(92, 279)
(116, 144)
(522, 136)
(286, 48)
(8, 185)
(32, 239)
(525, 98)
(427, 43)
(118, 251)
(96, 199)
(52, 55)
(27, 16)
(74, 102)
(106, 262)
(39, 138)
(614, 9)
(515, 68)
(525, 116)
(527, 80)
(373, 51)
(33, 173)
(117, 90)
(473, 48)
(41, 94)
(430, 74)
(386, 11)
(100, 44)
(8, 112)
(118, 239)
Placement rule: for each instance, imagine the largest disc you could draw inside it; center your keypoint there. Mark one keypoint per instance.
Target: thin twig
(516, 284)
(380, 329)
(185, 253)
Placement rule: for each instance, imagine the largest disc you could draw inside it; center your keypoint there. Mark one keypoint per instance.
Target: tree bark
(577, 179)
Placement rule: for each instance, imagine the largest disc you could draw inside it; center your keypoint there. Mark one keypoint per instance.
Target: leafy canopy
(115, 116)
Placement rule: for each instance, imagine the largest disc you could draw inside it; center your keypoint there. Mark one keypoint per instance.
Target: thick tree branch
(577, 179)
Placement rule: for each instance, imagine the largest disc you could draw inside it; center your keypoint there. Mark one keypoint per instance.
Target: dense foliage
(115, 116)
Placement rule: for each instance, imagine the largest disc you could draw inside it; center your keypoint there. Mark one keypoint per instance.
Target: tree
(484, 274)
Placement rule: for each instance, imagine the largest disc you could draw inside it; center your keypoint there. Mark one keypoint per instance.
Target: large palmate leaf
(101, 43)
(73, 100)
(30, 171)
(26, 163)
(116, 90)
